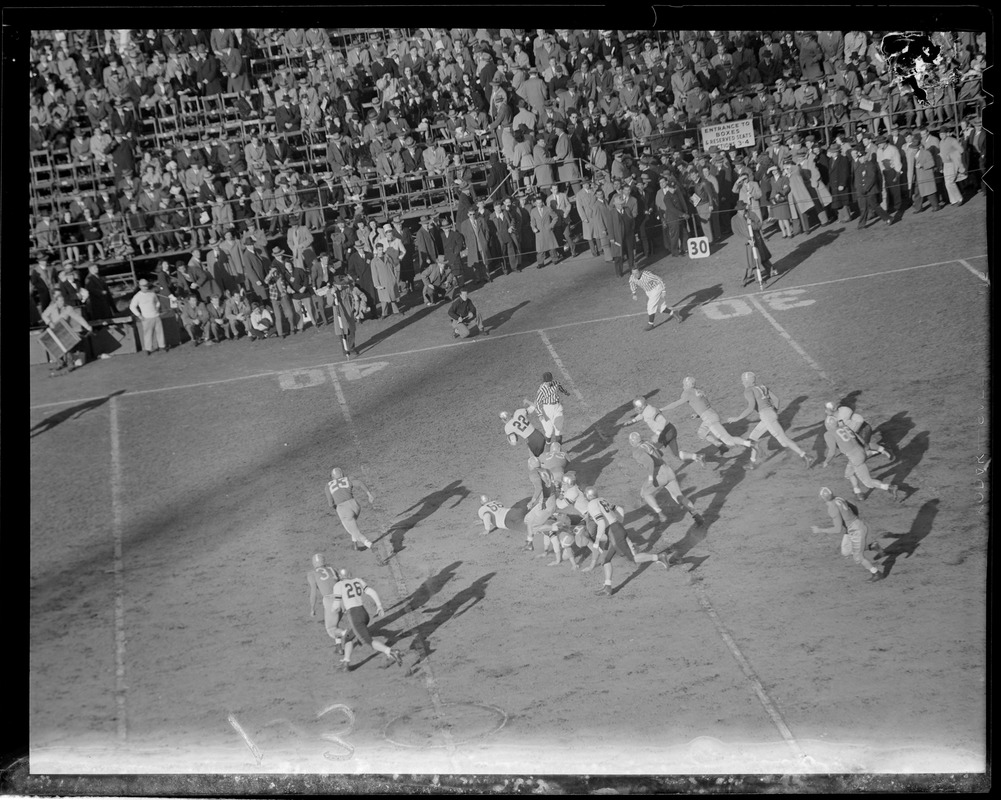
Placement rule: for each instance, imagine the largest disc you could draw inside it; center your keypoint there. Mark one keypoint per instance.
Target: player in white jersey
(349, 594)
(517, 426)
(495, 515)
(840, 438)
(855, 541)
(571, 495)
(560, 535)
(610, 520)
(762, 399)
(711, 429)
(321, 580)
(863, 430)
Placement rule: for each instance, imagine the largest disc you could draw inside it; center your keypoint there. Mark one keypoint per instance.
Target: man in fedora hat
(145, 305)
(279, 291)
(452, 245)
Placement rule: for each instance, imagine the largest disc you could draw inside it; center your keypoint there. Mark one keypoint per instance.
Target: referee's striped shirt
(647, 281)
(548, 393)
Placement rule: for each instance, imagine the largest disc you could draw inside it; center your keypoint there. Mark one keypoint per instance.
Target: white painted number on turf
(307, 378)
(737, 307)
(698, 247)
(781, 301)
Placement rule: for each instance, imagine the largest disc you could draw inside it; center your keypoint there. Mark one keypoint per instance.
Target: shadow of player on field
(786, 416)
(421, 594)
(74, 412)
(425, 508)
(501, 317)
(729, 478)
(803, 251)
(601, 434)
(906, 543)
(456, 606)
(906, 459)
(894, 430)
(696, 299)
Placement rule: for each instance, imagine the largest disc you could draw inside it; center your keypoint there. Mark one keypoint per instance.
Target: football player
(838, 437)
(340, 495)
(517, 426)
(855, 533)
(555, 460)
(541, 478)
(607, 518)
(349, 593)
(321, 580)
(863, 430)
(762, 399)
(711, 429)
(659, 475)
(495, 515)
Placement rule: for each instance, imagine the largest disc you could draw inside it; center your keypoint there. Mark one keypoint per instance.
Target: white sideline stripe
(430, 680)
(792, 342)
(116, 527)
(749, 673)
(592, 417)
(477, 341)
(974, 270)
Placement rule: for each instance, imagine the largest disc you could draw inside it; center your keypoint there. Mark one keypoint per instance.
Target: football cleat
(318, 560)
(878, 575)
(894, 492)
(343, 666)
(806, 458)
(605, 590)
(665, 559)
(529, 546)
(700, 459)
(699, 521)
(661, 516)
(397, 656)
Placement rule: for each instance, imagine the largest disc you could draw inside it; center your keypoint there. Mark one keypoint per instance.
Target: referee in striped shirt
(548, 403)
(654, 288)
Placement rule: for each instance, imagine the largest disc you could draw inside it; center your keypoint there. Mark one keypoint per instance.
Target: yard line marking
(792, 342)
(573, 386)
(974, 270)
(749, 673)
(473, 342)
(430, 679)
(116, 527)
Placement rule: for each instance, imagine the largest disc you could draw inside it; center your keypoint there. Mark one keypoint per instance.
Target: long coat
(100, 304)
(358, 268)
(839, 173)
(621, 230)
(475, 236)
(586, 210)
(602, 222)
(823, 194)
(801, 199)
(925, 172)
(778, 198)
(543, 219)
(748, 230)
(384, 279)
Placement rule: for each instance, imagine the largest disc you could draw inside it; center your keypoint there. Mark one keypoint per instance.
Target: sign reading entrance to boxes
(729, 135)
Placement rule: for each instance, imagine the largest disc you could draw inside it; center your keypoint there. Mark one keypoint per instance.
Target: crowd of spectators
(507, 147)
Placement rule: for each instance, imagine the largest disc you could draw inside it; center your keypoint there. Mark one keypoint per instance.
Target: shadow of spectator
(456, 606)
(696, 299)
(73, 412)
(412, 316)
(501, 317)
(425, 508)
(803, 251)
(905, 544)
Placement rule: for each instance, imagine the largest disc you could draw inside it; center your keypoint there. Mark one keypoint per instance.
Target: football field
(176, 501)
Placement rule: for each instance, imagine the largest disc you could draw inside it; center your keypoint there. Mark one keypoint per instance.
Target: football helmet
(825, 493)
(570, 478)
(318, 560)
(829, 408)
(844, 414)
(830, 422)
(688, 383)
(505, 416)
(344, 573)
(747, 378)
(531, 408)
(336, 473)
(533, 462)
(484, 499)
(639, 403)
(635, 439)
(567, 538)
(590, 493)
